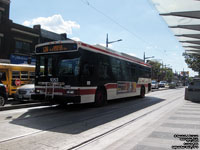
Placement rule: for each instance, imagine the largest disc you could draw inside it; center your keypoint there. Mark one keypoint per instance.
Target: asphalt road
(82, 126)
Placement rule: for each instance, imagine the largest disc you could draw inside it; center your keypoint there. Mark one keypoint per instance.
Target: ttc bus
(75, 72)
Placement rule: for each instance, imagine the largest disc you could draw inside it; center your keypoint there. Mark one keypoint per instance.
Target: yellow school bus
(15, 75)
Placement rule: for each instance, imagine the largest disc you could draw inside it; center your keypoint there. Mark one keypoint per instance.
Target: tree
(169, 75)
(161, 73)
(193, 61)
(156, 69)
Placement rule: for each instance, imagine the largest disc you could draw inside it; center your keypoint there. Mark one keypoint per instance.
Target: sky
(136, 22)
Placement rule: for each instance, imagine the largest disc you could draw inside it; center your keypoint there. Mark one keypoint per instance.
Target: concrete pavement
(133, 124)
(174, 127)
(179, 129)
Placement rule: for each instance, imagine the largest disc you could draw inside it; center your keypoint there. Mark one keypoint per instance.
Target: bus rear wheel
(142, 92)
(100, 98)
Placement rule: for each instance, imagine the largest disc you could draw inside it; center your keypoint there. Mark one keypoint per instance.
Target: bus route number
(55, 48)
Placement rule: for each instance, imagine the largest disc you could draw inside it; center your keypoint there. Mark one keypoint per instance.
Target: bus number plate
(54, 80)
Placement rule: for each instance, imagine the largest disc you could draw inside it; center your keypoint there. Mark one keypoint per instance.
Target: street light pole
(107, 42)
(147, 57)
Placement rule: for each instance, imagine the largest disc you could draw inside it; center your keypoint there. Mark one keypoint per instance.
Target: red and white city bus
(75, 72)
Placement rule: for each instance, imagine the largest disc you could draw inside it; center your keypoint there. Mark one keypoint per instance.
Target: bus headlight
(37, 91)
(32, 91)
(70, 92)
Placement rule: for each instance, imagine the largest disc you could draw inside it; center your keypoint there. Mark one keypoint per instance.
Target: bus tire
(142, 92)
(2, 100)
(100, 98)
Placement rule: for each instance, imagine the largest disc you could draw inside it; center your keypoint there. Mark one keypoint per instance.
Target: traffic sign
(17, 82)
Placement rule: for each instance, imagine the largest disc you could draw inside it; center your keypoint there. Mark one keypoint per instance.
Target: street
(131, 123)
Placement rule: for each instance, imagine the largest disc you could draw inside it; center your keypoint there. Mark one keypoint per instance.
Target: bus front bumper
(58, 98)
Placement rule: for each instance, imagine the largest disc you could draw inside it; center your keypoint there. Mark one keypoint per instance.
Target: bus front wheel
(142, 92)
(2, 100)
(100, 98)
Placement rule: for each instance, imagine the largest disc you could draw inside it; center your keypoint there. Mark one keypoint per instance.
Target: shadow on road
(75, 119)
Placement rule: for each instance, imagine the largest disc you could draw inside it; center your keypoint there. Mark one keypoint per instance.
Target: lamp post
(147, 57)
(107, 42)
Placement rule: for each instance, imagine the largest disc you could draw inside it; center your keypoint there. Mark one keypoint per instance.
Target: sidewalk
(178, 130)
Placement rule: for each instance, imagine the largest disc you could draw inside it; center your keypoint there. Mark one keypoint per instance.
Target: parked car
(162, 83)
(24, 92)
(154, 84)
(172, 85)
(3, 95)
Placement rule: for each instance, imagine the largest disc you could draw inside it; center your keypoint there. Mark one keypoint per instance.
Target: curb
(19, 106)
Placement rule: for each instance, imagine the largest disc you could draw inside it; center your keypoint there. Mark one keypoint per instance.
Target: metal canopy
(192, 42)
(183, 17)
(195, 47)
(196, 36)
(191, 27)
(190, 14)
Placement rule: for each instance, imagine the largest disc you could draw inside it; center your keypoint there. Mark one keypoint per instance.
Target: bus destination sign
(56, 48)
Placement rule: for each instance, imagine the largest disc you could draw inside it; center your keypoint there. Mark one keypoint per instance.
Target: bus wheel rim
(99, 96)
(142, 92)
(1, 101)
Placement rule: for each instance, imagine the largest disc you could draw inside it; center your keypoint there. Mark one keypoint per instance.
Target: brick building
(18, 41)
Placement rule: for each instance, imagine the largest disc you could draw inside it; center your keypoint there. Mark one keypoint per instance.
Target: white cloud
(55, 23)
(76, 39)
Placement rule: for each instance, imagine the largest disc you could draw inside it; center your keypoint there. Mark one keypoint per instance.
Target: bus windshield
(58, 66)
(68, 67)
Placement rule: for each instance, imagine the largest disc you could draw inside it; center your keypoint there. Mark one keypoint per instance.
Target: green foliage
(193, 61)
(156, 68)
(159, 72)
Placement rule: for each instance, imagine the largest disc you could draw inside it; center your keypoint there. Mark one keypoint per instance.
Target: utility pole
(107, 42)
(144, 58)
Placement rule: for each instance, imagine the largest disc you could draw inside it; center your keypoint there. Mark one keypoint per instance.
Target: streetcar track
(111, 112)
(50, 108)
(114, 110)
(119, 127)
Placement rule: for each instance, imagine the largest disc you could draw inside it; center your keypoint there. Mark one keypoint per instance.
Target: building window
(22, 47)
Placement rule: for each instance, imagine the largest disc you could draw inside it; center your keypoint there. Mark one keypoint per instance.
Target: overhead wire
(149, 44)
(117, 23)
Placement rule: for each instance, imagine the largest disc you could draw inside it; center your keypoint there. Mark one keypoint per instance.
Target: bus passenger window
(31, 75)
(88, 69)
(103, 71)
(24, 75)
(2, 76)
(50, 67)
(16, 75)
(42, 59)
